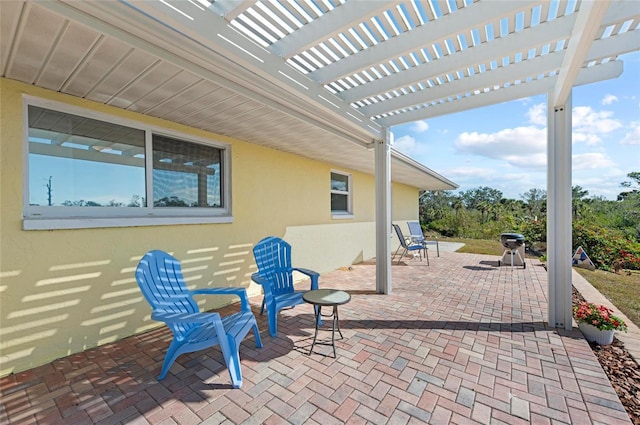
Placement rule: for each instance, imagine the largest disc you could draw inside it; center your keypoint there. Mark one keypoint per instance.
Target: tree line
(608, 230)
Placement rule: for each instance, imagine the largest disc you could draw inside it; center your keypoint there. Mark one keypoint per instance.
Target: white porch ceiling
(315, 78)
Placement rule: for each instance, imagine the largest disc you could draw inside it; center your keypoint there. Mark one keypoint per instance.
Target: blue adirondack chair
(160, 278)
(275, 274)
(408, 246)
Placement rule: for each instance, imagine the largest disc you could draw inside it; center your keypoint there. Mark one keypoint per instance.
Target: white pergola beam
(231, 9)
(449, 26)
(532, 37)
(618, 11)
(539, 35)
(540, 65)
(328, 25)
(616, 45)
(589, 75)
(587, 24)
(488, 79)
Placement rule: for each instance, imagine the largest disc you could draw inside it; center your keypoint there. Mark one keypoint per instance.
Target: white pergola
(327, 79)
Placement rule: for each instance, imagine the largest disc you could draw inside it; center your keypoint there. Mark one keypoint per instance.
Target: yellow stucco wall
(63, 291)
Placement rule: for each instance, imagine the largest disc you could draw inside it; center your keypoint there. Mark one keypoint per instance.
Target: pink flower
(599, 316)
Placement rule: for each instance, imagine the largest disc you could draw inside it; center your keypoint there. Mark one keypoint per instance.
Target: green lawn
(621, 289)
(478, 246)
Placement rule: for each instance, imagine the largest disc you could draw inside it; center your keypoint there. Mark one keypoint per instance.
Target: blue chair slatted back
(273, 258)
(160, 278)
(415, 231)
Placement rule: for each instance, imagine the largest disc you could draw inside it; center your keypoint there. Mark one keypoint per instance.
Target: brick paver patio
(461, 341)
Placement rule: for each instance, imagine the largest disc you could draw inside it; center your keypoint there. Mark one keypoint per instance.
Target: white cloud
(609, 99)
(515, 183)
(538, 114)
(535, 160)
(420, 126)
(470, 172)
(507, 181)
(525, 147)
(520, 146)
(605, 183)
(588, 124)
(405, 144)
(588, 138)
(633, 135)
(591, 161)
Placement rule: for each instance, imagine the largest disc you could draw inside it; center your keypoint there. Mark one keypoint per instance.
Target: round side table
(326, 298)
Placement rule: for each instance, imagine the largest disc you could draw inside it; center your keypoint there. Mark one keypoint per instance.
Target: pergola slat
(408, 42)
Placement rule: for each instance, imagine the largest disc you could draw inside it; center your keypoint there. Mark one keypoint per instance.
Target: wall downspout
(383, 212)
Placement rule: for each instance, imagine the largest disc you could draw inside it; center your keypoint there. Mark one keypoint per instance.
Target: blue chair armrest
(266, 284)
(260, 280)
(308, 272)
(240, 292)
(186, 317)
(313, 275)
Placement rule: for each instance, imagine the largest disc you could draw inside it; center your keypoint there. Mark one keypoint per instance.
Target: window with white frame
(83, 165)
(340, 193)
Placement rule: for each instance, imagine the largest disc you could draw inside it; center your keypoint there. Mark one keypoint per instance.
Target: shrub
(534, 230)
(606, 246)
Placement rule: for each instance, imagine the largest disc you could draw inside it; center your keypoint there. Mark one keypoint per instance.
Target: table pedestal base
(335, 324)
(326, 298)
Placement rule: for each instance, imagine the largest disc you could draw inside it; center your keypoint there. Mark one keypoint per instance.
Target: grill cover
(511, 240)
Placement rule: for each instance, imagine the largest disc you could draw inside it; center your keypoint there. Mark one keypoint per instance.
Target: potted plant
(597, 322)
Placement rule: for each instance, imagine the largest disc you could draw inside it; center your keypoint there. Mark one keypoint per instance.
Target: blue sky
(504, 146)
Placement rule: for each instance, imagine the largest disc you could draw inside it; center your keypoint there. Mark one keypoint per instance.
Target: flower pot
(593, 334)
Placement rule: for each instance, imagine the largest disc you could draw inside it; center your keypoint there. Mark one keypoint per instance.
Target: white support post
(383, 212)
(559, 212)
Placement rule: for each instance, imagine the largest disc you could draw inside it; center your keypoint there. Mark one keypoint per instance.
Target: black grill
(511, 240)
(511, 243)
